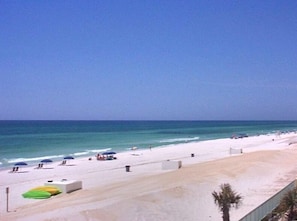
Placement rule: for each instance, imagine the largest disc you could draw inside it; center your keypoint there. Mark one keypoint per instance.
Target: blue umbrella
(109, 153)
(20, 164)
(68, 158)
(46, 161)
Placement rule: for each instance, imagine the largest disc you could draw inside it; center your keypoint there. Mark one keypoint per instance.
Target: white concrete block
(171, 165)
(66, 186)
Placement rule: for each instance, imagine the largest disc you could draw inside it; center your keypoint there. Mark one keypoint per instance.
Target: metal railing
(269, 205)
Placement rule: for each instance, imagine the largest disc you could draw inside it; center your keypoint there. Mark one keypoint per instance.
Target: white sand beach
(147, 192)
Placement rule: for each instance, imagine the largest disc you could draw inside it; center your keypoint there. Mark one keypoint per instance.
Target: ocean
(32, 141)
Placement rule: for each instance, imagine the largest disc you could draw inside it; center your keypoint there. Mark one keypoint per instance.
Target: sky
(148, 60)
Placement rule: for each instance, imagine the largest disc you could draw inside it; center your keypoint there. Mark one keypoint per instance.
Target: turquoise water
(32, 141)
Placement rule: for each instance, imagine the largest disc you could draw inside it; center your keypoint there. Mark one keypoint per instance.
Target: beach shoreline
(148, 192)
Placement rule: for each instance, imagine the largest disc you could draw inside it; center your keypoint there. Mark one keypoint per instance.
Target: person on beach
(100, 157)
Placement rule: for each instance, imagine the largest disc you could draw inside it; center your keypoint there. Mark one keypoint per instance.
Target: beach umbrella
(46, 161)
(21, 164)
(109, 153)
(17, 165)
(68, 158)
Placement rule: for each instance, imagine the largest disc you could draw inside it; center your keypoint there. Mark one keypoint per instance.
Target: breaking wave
(15, 160)
(180, 140)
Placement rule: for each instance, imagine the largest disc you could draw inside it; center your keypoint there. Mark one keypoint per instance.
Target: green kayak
(36, 194)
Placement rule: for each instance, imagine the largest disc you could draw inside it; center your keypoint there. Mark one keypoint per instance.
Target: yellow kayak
(50, 189)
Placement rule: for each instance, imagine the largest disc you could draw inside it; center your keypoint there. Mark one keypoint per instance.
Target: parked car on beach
(237, 136)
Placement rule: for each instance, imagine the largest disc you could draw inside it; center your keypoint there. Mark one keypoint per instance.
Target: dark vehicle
(237, 136)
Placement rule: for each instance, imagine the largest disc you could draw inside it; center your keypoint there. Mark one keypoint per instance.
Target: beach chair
(63, 163)
(40, 165)
(13, 170)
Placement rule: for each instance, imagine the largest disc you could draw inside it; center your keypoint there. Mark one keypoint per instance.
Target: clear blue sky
(148, 60)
